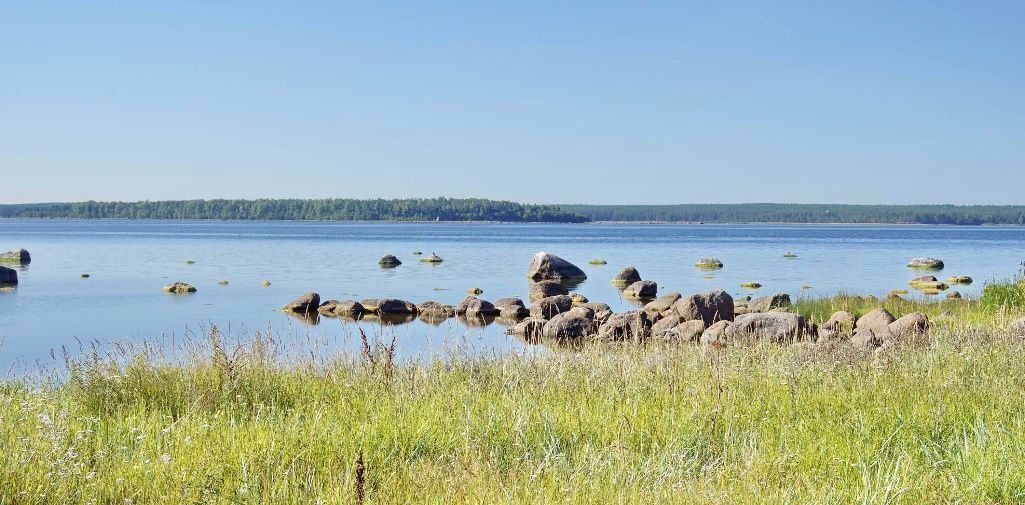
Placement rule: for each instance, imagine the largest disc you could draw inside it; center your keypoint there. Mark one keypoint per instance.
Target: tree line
(477, 209)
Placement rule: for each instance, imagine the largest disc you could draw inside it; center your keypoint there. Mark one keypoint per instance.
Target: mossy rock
(789, 255)
(265, 283)
(711, 263)
(83, 276)
(598, 261)
(750, 285)
(959, 279)
(475, 291)
(926, 263)
(223, 282)
(190, 262)
(433, 258)
(179, 287)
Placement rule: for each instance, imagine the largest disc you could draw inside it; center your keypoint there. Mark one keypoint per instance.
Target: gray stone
(180, 287)
(544, 289)
(839, 327)
(306, 303)
(471, 306)
(389, 261)
(394, 306)
(767, 303)
(546, 308)
(567, 325)
(19, 256)
(641, 289)
(662, 303)
(716, 334)
(927, 263)
(349, 307)
(547, 266)
(627, 276)
(633, 325)
(777, 327)
(530, 329)
(709, 306)
(913, 325)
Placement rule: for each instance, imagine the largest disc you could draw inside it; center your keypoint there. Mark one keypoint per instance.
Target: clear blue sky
(576, 102)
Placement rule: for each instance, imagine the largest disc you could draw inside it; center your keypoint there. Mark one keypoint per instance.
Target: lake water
(129, 261)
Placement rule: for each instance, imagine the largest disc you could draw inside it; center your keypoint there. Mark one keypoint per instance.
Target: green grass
(258, 423)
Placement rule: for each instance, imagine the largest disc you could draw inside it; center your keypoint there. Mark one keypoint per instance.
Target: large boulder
(634, 325)
(872, 329)
(19, 256)
(642, 290)
(471, 306)
(767, 303)
(433, 310)
(511, 308)
(716, 334)
(709, 306)
(911, 326)
(777, 327)
(546, 266)
(349, 308)
(8, 276)
(839, 327)
(393, 306)
(709, 263)
(547, 308)
(544, 289)
(662, 303)
(1018, 328)
(627, 276)
(674, 328)
(306, 303)
(568, 325)
(926, 263)
(530, 329)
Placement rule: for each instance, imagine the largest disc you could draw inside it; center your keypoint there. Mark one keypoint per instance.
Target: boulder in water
(634, 325)
(179, 287)
(19, 256)
(8, 276)
(568, 325)
(547, 266)
(626, 277)
(547, 308)
(544, 289)
(642, 290)
(710, 263)
(709, 306)
(926, 263)
(306, 303)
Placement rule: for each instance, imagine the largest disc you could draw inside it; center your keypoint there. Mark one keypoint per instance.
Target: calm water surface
(129, 261)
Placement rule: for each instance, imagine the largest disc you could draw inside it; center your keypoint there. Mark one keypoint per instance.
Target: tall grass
(240, 423)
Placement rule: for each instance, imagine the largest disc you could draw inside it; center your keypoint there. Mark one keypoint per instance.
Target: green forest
(476, 209)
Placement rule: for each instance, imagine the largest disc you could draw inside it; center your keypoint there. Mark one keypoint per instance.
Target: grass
(257, 421)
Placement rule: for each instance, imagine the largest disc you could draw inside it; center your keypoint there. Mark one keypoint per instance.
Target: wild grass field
(248, 422)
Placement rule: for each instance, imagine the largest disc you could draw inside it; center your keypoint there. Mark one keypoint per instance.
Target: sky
(541, 102)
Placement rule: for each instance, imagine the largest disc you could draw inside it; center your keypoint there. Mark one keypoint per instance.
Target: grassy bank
(941, 423)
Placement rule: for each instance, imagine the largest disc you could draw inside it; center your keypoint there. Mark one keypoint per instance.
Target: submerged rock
(547, 266)
(179, 287)
(19, 256)
(751, 285)
(433, 258)
(306, 302)
(926, 263)
(627, 276)
(598, 261)
(709, 263)
(8, 276)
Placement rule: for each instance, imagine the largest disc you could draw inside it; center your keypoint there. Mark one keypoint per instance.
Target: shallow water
(129, 261)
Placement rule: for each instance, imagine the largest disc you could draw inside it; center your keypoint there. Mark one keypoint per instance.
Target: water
(129, 261)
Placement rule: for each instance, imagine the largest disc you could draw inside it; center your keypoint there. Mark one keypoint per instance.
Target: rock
(662, 303)
(417, 253)
(865, 340)
(1018, 328)
(548, 307)
(223, 282)
(926, 263)
(328, 307)
(544, 289)
(927, 282)
(872, 328)
(503, 303)
(389, 261)
(433, 258)
(750, 285)
(306, 303)
(190, 262)
(709, 306)
(806, 286)
(598, 261)
(567, 325)
(633, 326)
(578, 299)
(689, 331)
(435, 311)
(183, 287)
(767, 303)
(789, 255)
(954, 295)
(913, 325)
(708, 263)
(393, 306)
(86, 276)
(471, 306)
(349, 307)
(959, 279)
(840, 326)
(581, 311)
(475, 291)
(670, 320)
(530, 329)
(546, 266)
(602, 311)
(716, 334)
(19, 256)
(776, 327)
(641, 289)
(265, 283)
(627, 276)
(896, 293)
(513, 312)
(8, 276)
